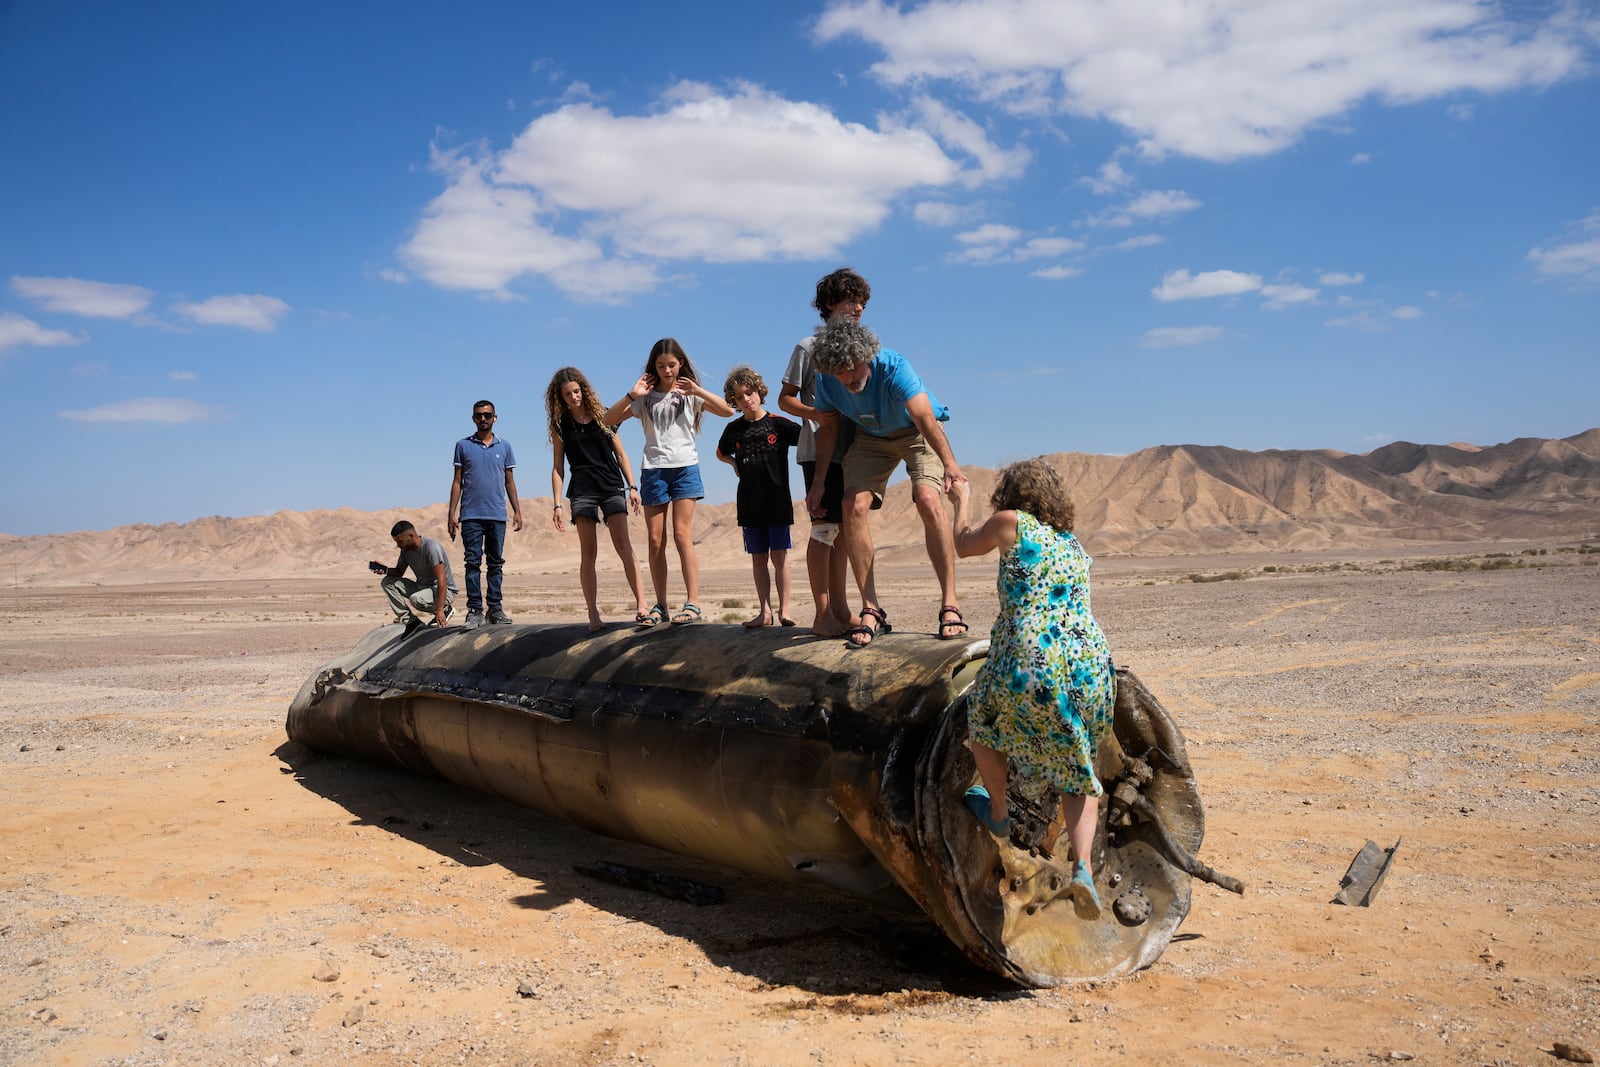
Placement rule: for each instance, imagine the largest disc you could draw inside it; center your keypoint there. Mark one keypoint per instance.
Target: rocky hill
(1162, 501)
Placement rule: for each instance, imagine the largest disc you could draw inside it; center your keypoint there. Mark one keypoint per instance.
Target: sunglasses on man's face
(483, 414)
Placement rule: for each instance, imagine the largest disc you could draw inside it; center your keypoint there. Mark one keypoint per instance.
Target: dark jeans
(484, 541)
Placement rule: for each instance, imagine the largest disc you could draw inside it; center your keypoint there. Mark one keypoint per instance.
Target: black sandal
(868, 632)
(944, 623)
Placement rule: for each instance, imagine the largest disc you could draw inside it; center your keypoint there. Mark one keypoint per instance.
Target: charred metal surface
(786, 756)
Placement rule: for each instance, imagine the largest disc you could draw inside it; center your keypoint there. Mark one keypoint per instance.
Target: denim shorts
(658, 485)
(759, 539)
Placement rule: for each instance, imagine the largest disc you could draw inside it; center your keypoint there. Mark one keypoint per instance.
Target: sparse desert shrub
(1442, 565)
(732, 602)
(1225, 576)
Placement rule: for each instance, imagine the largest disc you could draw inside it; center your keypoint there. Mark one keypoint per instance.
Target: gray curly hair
(843, 345)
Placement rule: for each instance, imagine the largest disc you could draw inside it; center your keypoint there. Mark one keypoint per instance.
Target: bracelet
(558, 507)
(633, 488)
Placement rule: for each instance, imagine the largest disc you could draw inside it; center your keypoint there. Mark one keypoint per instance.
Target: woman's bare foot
(764, 619)
(595, 625)
(829, 626)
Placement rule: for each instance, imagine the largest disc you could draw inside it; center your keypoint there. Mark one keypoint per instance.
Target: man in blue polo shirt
(897, 421)
(480, 490)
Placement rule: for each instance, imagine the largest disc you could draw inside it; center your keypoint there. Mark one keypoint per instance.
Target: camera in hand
(377, 568)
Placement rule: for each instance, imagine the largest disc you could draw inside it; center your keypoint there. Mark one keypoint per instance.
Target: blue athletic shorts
(658, 485)
(759, 539)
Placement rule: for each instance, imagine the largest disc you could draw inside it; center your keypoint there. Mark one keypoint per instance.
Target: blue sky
(255, 258)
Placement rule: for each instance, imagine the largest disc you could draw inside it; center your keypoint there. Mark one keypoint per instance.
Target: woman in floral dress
(1045, 695)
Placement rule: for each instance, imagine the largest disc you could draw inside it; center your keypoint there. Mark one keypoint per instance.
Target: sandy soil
(181, 887)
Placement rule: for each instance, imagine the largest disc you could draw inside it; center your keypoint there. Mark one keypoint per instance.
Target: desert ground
(182, 886)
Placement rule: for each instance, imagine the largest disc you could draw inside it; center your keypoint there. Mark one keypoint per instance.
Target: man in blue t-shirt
(479, 491)
(897, 421)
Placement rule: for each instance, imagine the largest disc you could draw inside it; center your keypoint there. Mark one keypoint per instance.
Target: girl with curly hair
(601, 488)
(1044, 696)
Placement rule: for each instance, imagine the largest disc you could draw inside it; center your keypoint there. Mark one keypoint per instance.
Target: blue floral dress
(1045, 695)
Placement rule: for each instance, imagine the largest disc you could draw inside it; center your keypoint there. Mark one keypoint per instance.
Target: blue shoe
(1085, 901)
(977, 800)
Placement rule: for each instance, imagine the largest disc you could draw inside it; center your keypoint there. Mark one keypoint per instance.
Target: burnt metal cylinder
(776, 753)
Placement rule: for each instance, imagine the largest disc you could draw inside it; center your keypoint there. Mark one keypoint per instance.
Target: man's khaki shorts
(871, 461)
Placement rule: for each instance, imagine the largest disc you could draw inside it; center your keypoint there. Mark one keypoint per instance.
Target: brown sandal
(946, 624)
(865, 631)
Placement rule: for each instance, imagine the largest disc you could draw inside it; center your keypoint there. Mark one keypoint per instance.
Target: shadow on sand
(779, 934)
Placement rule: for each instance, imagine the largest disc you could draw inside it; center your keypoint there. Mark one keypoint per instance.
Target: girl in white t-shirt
(668, 400)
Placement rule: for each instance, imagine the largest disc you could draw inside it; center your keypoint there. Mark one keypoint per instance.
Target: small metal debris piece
(1366, 873)
(1571, 1053)
(665, 885)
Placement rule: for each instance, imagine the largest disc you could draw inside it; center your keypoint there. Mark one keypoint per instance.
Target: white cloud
(996, 243)
(1333, 279)
(1460, 112)
(1156, 204)
(1148, 240)
(101, 300)
(957, 131)
(1406, 312)
(1110, 178)
(992, 233)
(1056, 273)
(1287, 295)
(1217, 79)
(398, 277)
(1180, 336)
(146, 409)
(987, 243)
(942, 213)
(1160, 204)
(1360, 159)
(183, 376)
(250, 311)
(1361, 320)
(478, 235)
(1044, 247)
(16, 331)
(1576, 256)
(1181, 285)
(91, 369)
(595, 201)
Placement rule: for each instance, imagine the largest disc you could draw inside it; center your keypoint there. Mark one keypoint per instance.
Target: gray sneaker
(498, 617)
(473, 620)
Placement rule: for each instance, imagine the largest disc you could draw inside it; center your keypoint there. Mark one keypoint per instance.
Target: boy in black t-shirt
(756, 445)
